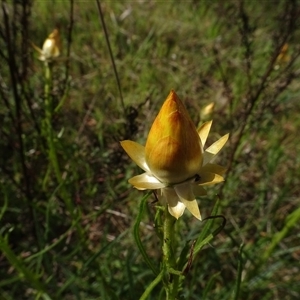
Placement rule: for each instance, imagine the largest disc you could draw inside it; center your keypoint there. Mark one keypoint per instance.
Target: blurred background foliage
(73, 239)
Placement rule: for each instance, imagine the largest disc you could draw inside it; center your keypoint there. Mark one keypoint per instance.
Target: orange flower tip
(173, 149)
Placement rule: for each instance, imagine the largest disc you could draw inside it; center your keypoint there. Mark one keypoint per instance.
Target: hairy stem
(171, 278)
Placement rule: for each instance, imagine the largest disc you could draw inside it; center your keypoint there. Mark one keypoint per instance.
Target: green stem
(171, 280)
(48, 114)
(168, 229)
(52, 154)
(50, 137)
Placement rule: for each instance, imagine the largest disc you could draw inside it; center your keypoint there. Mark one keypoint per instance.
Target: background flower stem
(52, 150)
(48, 117)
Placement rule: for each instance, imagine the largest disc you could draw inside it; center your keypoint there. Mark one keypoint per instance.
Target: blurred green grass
(221, 52)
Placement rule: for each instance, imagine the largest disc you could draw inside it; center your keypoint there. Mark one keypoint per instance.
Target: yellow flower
(51, 47)
(174, 159)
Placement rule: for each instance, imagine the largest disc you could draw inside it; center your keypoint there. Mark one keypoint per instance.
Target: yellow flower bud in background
(52, 45)
(206, 113)
(173, 149)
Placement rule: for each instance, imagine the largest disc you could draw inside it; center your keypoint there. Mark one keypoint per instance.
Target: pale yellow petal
(187, 197)
(176, 208)
(185, 191)
(204, 131)
(207, 178)
(213, 168)
(136, 152)
(207, 157)
(48, 47)
(193, 207)
(199, 190)
(145, 182)
(214, 149)
(218, 145)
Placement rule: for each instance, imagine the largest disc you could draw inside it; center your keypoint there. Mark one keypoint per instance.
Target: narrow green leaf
(151, 286)
(136, 234)
(206, 229)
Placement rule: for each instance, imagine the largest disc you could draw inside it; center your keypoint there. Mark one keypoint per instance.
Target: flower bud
(51, 46)
(173, 149)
